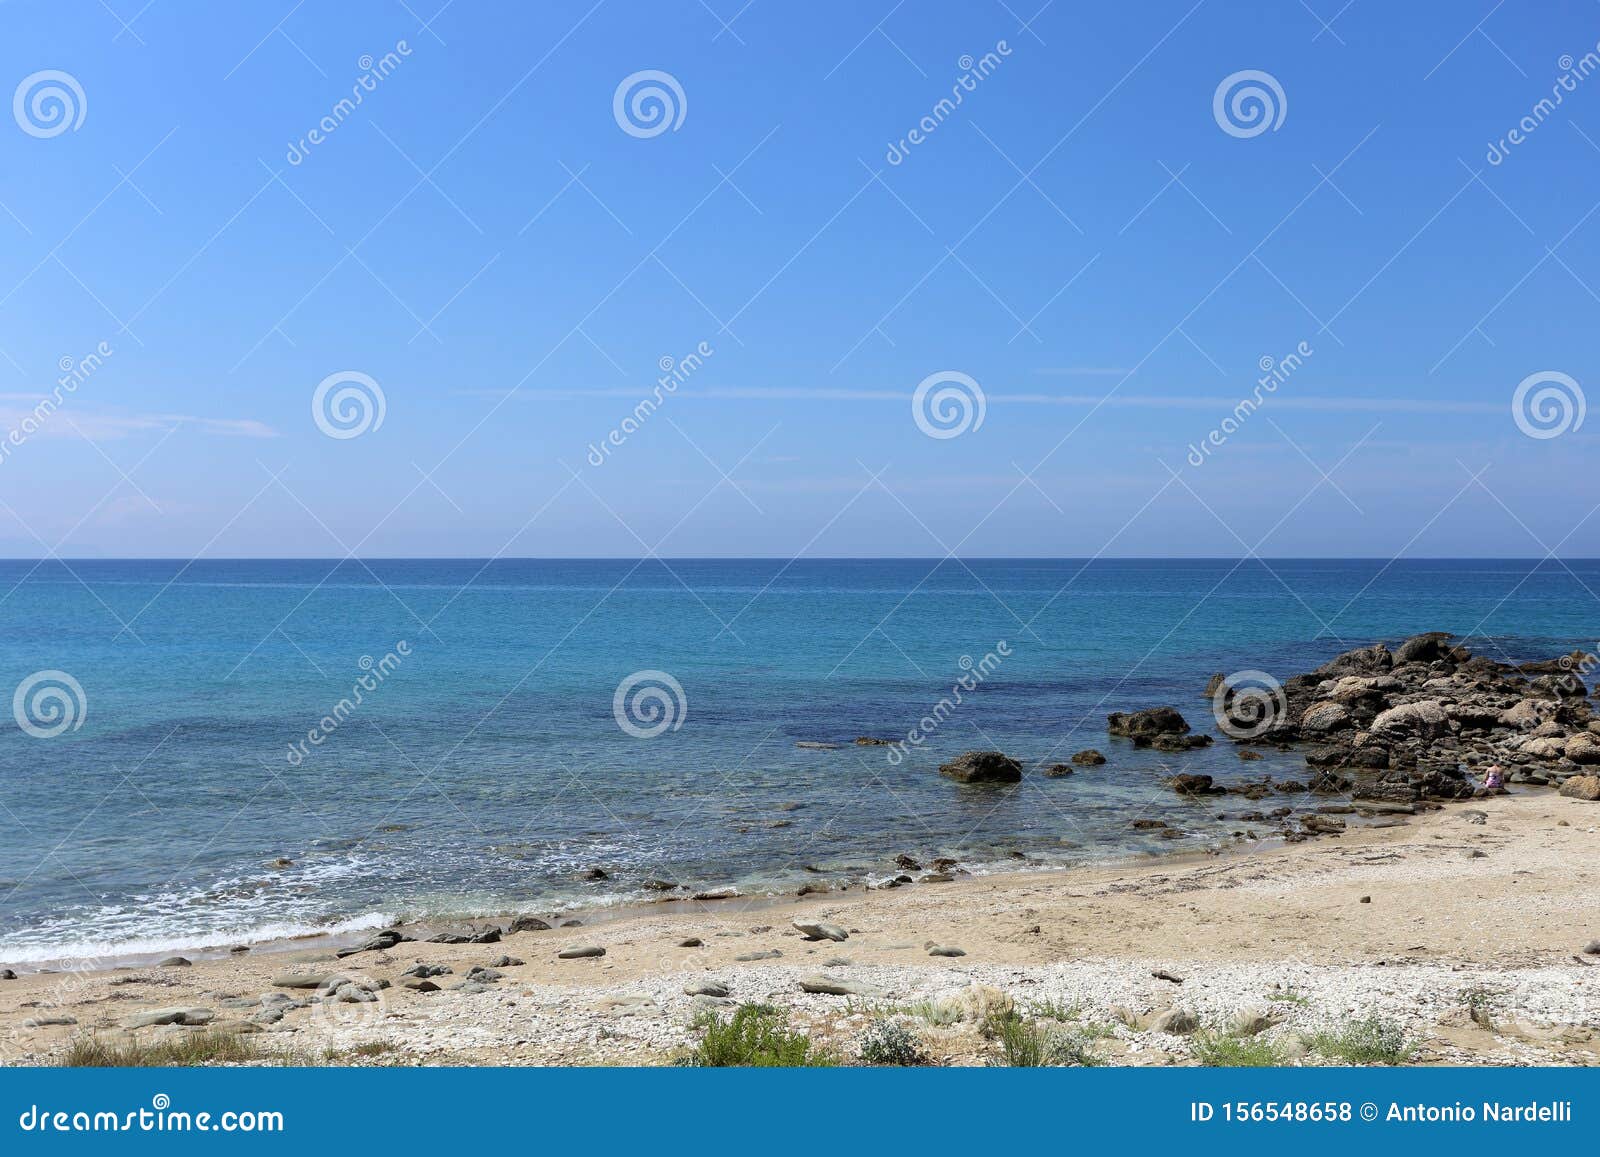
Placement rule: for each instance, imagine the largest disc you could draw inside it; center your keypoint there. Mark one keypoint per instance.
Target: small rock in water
(814, 745)
(1057, 771)
(820, 931)
(982, 767)
(1088, 757)
(1247, 755)
(581, 952)
(593, 874)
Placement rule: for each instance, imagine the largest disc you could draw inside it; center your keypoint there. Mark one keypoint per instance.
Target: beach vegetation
(755, 1036)
(1374, 1040)
(888, 1042)
(1217, 1049)
(1027, 1044)
(1052, 1009)
(1290, 995)
(186, 1051)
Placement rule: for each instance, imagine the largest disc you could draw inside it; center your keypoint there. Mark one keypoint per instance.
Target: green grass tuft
(188, 1051)
(1230, 1050)
(756, 1036)
(1027, 1044)
(1373, 1041)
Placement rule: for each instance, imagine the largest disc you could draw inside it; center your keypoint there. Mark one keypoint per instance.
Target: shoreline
(362, 928)
(1404, 921)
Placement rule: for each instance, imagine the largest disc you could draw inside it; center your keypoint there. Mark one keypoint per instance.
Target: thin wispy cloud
(1353, 405)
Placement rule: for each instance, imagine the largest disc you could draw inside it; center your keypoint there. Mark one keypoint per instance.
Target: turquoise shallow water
(484, 766)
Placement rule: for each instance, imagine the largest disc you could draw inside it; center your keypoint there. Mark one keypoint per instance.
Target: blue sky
(1080, 237)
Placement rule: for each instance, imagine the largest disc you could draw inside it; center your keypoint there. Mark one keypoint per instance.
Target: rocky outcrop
(982, 767)
(1422, 721)
(1147, 724)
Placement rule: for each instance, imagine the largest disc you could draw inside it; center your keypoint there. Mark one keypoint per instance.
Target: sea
(208, 753)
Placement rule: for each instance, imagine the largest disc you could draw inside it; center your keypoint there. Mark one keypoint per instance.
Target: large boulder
(1586, 787)
(1544, 747)
(1373, 660)
(982, 767)
(1147, 724)
(1567, 686)
(1583, 748)
(1426, 719)
(1324, 717)
(1423, 648)
(1527, 714)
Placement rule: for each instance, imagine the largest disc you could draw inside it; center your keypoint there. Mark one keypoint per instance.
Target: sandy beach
(1467, 924)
